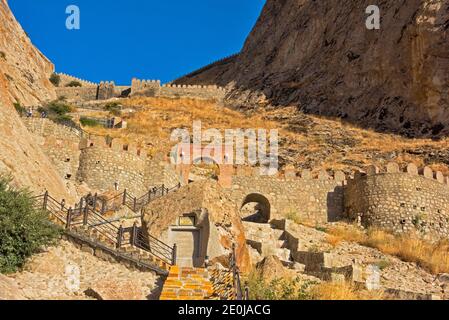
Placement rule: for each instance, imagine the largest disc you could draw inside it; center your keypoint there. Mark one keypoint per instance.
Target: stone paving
(188, 284)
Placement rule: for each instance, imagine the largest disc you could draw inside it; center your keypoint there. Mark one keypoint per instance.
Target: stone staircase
(198, 284)
(103, 238)
(188, 284)
(265, 240)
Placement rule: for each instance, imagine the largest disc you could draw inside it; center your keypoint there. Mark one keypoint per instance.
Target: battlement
(290, 173)
(410, 169)
(115, 146)
(153, 88)
(66, 78)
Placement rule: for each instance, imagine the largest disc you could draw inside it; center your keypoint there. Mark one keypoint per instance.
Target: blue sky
(147, 39)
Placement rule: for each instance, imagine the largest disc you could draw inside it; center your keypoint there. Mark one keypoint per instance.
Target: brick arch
(264, 206)
(195, 153)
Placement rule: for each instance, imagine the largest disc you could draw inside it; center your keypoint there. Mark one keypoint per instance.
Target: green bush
(24, 230)
(114, 108)
(88, 122)
(278, 289)
(55, 79)
(74, 84)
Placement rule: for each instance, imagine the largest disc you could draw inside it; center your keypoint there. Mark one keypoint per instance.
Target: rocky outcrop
(9, 289)
(24, 73)
(24, 70)
(320, 57)
(217, 218)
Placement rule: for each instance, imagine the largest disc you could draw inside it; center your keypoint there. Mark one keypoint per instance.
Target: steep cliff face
(24, 70)
(319, 56)
(24, 73)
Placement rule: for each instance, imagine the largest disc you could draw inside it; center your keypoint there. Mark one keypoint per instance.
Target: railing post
(85, 217)
(174, 255)
(44, 204)
(103, 207)
(69, 219)
(163, 189)
(62, 204)
(246, 293)
(135, 204)
(134, 235)
(119, 237)
(124, 197)
(95, 201)
(149, 196)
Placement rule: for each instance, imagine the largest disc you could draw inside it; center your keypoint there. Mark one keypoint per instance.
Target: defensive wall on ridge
(99, 162)
(148, 88)
(395, 198)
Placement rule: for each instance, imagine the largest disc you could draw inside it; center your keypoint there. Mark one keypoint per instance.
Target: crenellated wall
(60, 143)
(153, 88)
(318, 198)
(400, 200)
(102, 165)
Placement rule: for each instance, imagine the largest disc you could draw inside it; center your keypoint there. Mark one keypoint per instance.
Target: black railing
(125, 198)
(87, 216)
(140, 239)
(240, 294)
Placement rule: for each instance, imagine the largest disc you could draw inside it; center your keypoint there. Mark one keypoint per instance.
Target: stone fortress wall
(395, 199)
(400, 200)
(98, 162)
(60, 143)
(317, 198)
(148, 88)
(153, 88)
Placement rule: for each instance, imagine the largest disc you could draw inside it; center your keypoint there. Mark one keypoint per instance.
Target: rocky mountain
(24, 74)
(320, 57)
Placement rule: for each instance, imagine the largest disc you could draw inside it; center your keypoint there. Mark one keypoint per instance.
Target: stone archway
(256, 208)
(187, 152)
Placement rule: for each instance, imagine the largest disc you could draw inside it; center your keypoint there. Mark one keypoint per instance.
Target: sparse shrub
(74, 84)
(277, 289)
(23, 228)
(19, 108)
(88, 122)
(342, 291)
(2, 55)
(114, 108)
(58, 111)
(55, 79)
(433, 257)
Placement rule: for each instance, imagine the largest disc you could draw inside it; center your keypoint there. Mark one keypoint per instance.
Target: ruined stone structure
(397, 199)
(400, 200)
(60, 143)
(100, 163)
(148, 88)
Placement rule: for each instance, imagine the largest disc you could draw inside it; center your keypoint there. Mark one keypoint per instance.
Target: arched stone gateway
(256, 208)
(188, 155)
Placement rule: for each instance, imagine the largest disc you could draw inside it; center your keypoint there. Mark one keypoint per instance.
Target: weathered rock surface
(67, 273)
(24, 70)
(9, 289)
(320, 57)
(116, 290)
(217, 215)
(24, 73)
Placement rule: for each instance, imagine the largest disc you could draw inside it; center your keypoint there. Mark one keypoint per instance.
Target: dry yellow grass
(316, 142)
(434, 257)
(343, 291)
